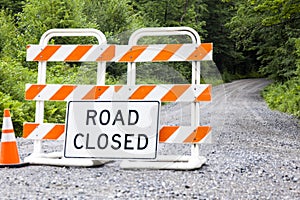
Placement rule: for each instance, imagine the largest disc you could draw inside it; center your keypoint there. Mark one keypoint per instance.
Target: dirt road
(253, 153)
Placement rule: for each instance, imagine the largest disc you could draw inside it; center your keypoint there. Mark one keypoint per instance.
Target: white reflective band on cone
(7, 123)
(8, 137)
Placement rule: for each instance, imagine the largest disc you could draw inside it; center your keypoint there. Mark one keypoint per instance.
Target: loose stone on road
(253, 153)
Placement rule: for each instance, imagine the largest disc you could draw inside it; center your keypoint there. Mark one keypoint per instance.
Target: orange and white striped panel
(120, 53)
(164, 93)
(43, 131)
(167, 134)
(183, 134)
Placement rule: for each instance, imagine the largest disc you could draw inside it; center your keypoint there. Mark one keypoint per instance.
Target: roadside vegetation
(251, 39)
(267, 33)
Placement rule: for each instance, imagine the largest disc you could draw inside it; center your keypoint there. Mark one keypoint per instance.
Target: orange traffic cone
(9, 156)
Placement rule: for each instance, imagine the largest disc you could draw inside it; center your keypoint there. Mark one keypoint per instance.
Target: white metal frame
(56, 158)
(183, 162)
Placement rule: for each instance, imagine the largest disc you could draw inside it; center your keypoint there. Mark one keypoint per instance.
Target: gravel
(253, 153)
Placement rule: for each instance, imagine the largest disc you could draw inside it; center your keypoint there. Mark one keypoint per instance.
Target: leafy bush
(284, 97)
(65, 74)
(7, 32)
(20, 111)
(13, 77)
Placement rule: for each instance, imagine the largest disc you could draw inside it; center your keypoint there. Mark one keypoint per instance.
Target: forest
(252, 39)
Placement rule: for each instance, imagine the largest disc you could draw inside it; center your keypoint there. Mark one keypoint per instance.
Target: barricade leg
(57, 159)
(167, 162)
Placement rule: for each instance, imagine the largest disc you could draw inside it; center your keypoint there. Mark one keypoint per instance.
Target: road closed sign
(112, 129)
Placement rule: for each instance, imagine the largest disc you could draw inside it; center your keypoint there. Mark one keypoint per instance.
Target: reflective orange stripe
(8, 131)
(33, 91)
(134, 52)
(108, 54)
(55, 132)
(175, 92)
(166, 132)
(198, 134)
(63, 92)
(118, 87)
(46, 53)
(205, 95)
(95, 92)
(142, 92)
(207, 46)
(78, 52)
(200, 52)
(6, 113)
(28, 129)
(168, 51)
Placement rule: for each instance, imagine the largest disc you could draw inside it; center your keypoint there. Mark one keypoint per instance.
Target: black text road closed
(112, 129)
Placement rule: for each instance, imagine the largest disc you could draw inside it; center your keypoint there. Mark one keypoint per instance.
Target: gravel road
(253, 153)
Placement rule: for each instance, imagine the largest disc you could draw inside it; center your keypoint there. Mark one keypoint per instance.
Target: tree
(226, 57)
(38, 16)
(113, 16)
(167, 13)
(13, 6)
(7, 32)
(266, 31)
(173, 13)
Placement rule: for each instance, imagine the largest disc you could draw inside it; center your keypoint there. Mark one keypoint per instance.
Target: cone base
(14, 165)
(9, 153)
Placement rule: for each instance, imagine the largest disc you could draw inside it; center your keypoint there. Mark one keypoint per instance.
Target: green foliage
(113, 16)
(13, 77)
(7, 32)
(167, 73)
(173, 13)
(228, 60)
(38, 16)
(62, 73)
(279, 11)
(13, 6)
(20, 111)
(266, 32)
(284, 97)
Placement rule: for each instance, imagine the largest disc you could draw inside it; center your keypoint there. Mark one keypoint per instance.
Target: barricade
(131, 54)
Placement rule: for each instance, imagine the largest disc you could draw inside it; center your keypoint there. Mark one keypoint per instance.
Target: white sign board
(112, 129)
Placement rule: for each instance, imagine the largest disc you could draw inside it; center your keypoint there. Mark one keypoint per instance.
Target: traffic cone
(9, 155)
